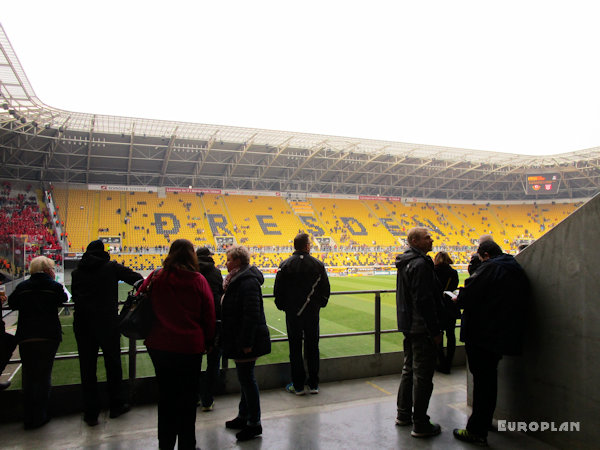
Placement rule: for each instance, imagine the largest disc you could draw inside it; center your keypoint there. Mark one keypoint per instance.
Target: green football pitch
(345, 313)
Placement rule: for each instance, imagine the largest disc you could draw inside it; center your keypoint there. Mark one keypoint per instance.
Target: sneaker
(91, 419)
(236, 424)
(119, 411)
(313, 390)
(430, 429)
(208, 408)
(249, 432)
(403, 422)
(466, 436)
(292, 390)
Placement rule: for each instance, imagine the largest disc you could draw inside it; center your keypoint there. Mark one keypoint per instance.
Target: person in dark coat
(418, 309)
(301, 289)
(39, 334)
(245, 335)
(210, 383)
(494, 300)
(95, 293)
(448, 279)
(475, 261)
(8, 342)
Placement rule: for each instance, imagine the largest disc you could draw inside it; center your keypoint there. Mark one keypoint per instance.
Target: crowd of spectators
(21, 217)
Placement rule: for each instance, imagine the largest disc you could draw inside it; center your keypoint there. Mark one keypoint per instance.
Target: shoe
(430, 429)
(313, 390)
(466, 436)
(236, 424)
(208, 408)
(33, 426)
(91, 419)
(249, 432)
(402, 422)
(443, 369)
(119, 411)
(4, 385)
(292, 390)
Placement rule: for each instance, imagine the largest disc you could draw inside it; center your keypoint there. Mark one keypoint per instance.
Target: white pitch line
(279, 331)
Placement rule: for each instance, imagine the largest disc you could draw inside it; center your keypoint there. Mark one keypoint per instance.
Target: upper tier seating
(148, 223)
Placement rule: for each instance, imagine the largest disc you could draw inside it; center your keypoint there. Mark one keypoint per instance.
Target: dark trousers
(445, 357)
(178, 376)
(249, 407)
(416, 383)
(90, 338)
(37, 358)
(483, 364)
(305, 327)
(209, 384)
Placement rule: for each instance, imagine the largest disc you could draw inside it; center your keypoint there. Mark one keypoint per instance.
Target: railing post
(377, 322)
(132, 364)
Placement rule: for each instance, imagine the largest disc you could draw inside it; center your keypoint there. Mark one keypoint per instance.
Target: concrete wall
(558, 377)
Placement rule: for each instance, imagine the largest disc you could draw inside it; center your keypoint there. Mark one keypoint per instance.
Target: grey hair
(239, 252)
(40, 264)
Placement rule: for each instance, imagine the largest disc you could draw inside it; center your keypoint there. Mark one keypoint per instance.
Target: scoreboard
(542, 183)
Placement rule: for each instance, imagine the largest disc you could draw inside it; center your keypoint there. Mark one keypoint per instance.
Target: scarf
(228, 278)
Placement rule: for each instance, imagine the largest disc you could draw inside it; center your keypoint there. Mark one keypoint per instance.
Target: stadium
(68, 178)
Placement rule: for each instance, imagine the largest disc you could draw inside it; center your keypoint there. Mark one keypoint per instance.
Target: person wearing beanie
(211, 382)
(94, 287)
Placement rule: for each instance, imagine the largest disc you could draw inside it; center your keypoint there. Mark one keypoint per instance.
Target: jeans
(416, 383)
(38, 359)
(305, 327)
(483, 364)
(249, 407)
(90, 338)
(178, 375)
(210, 383)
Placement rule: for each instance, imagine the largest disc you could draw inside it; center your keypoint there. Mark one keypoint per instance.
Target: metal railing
(133, 349)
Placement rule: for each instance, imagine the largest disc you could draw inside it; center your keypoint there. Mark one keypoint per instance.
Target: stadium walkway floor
(353, 414)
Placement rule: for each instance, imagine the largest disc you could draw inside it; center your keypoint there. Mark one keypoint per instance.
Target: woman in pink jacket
(183, 328)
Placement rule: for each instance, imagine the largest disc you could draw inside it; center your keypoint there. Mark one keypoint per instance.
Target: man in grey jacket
(418, 302)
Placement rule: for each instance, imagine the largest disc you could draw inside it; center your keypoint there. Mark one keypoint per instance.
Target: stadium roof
(42, 143)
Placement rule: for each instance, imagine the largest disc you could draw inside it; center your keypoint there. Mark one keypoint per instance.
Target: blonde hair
(239, 252)
(40, 264)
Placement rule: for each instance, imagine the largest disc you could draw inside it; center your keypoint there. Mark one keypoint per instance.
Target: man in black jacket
(419, 307)
(301, 290)
(209, 384)
(494, 300)
(94, 287)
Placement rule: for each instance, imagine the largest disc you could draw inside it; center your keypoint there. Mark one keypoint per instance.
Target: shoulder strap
(151, 280)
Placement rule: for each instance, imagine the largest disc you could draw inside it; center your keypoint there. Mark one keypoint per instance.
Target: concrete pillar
(557, 379)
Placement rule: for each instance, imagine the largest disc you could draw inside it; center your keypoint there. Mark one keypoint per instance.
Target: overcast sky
(511, 76)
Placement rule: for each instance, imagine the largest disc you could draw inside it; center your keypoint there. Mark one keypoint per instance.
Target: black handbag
(136, 316)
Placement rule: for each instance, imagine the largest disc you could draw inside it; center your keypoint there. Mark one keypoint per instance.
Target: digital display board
(542, 183)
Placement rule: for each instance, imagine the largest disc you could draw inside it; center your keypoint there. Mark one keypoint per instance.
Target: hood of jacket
(408, 256)
(205, 262)
(507, 262)
(93, 260)
(249, 272)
